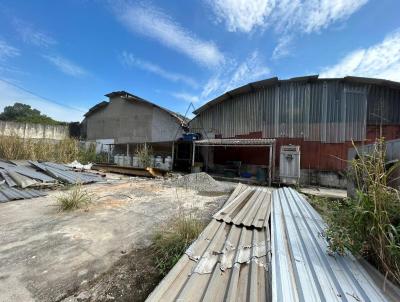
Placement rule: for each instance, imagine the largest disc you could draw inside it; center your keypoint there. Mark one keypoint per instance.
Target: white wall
(34, 131)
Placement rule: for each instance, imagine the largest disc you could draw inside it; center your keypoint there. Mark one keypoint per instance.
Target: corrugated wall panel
(325, 111)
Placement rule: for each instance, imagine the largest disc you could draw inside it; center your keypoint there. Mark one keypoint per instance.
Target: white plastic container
(120, 160)
(158, 162)
(135, 161)
(127, 161)
(168, 163)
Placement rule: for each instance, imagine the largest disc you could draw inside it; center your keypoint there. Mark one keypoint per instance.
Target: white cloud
(31, 35)
(66, 66)
(186, 97)
(381, 60)
(10, 94)
(320, 14)
(235, 75)
(284, 15)
(129, 59)
(7, 51)
(155, 24)
(282, 49)
(242, 15)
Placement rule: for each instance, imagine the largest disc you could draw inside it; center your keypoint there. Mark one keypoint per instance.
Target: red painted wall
(314, 155)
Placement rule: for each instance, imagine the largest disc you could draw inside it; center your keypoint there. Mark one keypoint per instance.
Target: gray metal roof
(26, 171)
(250, 87)
(307, 108)
(235, 142)
(302, 269)
(8, 194)
(24, 174)
(65, 174)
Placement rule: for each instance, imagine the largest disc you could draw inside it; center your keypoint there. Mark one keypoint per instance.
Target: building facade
(323, 116)
(126, 118)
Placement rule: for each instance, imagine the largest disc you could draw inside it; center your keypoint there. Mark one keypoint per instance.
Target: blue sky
(63, 56)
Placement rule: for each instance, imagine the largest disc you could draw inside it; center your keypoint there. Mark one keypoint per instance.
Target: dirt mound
(201, 182)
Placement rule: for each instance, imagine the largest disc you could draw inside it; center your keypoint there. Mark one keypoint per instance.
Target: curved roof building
(322, 116)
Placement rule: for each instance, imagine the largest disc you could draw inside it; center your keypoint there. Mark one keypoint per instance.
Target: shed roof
(275, 81)
(133, 98)
(236, 142)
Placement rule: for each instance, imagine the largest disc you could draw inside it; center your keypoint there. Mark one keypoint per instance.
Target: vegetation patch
(369, 224)
(171, 243)
(76, 198)
(144, 153)
(63, 151)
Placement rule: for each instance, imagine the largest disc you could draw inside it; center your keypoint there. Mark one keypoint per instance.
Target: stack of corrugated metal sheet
(66, 174)
(230, 259)
(302, 269)
(250, 208)
(16, 176)
(233, 260)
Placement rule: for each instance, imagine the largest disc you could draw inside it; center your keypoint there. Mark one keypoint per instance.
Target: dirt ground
(96, 254)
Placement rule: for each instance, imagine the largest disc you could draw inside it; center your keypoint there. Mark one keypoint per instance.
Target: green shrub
(170, 244)
(74, 199)
(144, 153)
(369, 224)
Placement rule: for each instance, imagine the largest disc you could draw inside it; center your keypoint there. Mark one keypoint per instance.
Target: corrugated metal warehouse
(322, 116)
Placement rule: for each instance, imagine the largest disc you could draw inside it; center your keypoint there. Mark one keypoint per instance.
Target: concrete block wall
(34, 131)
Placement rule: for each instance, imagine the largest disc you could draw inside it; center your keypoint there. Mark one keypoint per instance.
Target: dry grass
(170, 244)
(74, 199)
(64, 151)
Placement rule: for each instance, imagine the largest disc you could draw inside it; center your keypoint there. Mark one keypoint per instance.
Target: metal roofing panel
(302, 270)
(10, 182)
(325, 110)
(9, 194)
(65, 175)
(26, 171)
(251, 208)
(226, 263)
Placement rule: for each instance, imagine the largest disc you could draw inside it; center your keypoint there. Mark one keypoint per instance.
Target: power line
(41, 97)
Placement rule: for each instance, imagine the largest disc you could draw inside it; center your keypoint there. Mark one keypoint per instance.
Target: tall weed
(369, 223)
(63, 151)
(170, 244)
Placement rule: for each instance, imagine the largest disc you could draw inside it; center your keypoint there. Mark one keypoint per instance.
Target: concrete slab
(46, 254)
(324, 192)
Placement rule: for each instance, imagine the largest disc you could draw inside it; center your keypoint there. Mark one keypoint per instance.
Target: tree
(24, 113)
